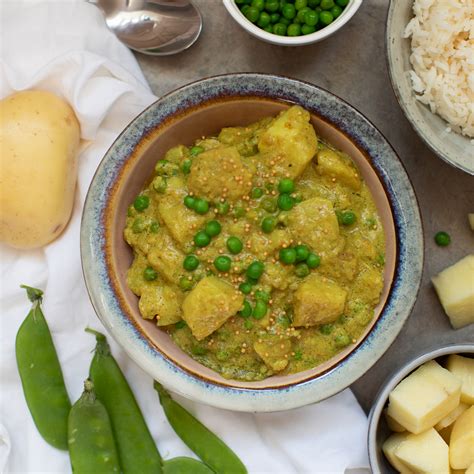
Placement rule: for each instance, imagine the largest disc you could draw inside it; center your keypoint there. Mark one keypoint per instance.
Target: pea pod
(91, 441)
(136, 447)
(212, 450)
(184, 465)
(41, 375)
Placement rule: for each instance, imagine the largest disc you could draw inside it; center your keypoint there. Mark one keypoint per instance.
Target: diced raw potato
(165, 258)
(455, 288)
(392, 424)
(471, 223)
(424, 453)
(470, 469)
(217, 170)
(451, 417)
(162, 302)
(272, 351)
(333, 165)
(389, 448)
(461, 447)
(294, 138)
(208, 306)
(318, 300)
(315, 221)
(424, 398)
(463, 369)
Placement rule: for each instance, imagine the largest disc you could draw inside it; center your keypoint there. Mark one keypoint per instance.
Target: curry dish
(260, 250)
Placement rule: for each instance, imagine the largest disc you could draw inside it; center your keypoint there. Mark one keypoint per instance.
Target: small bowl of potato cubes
(292, 22)
(423, 418)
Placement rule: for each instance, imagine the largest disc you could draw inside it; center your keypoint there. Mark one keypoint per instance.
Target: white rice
(442, 43)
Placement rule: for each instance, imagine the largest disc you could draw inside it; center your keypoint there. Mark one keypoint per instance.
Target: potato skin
(39, 141)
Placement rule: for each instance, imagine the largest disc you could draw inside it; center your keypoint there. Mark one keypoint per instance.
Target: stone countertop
(352, 65)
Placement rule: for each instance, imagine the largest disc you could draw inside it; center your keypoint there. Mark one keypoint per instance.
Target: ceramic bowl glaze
(378, 429)
(455, 149)
(203, 108)
(348, 12)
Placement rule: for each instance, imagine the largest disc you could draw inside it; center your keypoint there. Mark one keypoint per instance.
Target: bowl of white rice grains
(430, 50)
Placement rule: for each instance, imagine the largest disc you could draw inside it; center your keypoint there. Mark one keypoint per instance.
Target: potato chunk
(292, 134)
(315, 221)
(390, 447)
(451, 417)
(209, 305)
(165, 258)
(335, 166)
(461, 446)
(217, 170)
(318, 300)
(160, 301)
(272, 351)
(463, 369)
(424, 398)
(455, 288)
(368, 285)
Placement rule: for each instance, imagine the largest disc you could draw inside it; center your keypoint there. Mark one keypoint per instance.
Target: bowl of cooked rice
(430, 50)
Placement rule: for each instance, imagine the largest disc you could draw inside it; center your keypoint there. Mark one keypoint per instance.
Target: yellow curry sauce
(260, 250)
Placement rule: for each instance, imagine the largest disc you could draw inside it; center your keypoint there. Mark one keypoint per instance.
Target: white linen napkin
(66, 48)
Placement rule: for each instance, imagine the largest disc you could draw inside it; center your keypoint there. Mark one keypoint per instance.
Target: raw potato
(451, 417)
(392, 424)
(390, 447)
(39, 139)
(463, 369)
(461, 446)
(455, 288)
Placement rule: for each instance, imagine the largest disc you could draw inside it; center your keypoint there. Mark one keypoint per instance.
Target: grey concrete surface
(352, 65)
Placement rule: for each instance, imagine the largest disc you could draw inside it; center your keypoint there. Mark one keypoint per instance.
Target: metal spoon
(156, 27)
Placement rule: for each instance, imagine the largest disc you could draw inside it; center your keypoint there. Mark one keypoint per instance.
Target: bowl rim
(319, 35)
(393, 380)
(402, 103)
(406, 218)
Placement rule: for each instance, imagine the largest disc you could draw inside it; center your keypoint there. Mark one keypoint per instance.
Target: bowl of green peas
(292, 22)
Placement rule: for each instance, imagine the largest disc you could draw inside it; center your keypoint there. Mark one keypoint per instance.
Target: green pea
(185, 465)
(313, 3)
(289, 11)
(196, 150)
(274, 17)
(285, 202)
(160, 183)
(269, 205)
(279, 29)
(258, 4)
(189, 202)
(141, 203)
(302, 253)
(201, 239)
(244, 9)
(201, 206)
(336, 11)
(346, 218)
(307, 30)
(294, 30)
(255, 270)
(286, 185)
(272, 6)
(248, 324)
(442, 239)
(299, 4)
(263, 22)
(234, 244)
(223, 263)
(342, 3)
(285, 21)
(150, 274)
(268, 224)
(260, 309)
(185, 283)
(342, 340)
(311, 18)
(268, 29)
(246, 311)
(300, 16)
(136, 447)
(252, 14)
(186, 166)
(222, 207)
(326, 18)
(313, 260)
(180, 324)
(238, 211)
(213, 228)
(256, 193)
(262, 295)
(326, 4)
(154, 227)
(326, 329)
(41, 375)
(190, 263)
(298, 355)
(138, 225)
(380, 259)
(245, 288)
(301, 270)
(287, 256)
(91, 441)
(166, 168)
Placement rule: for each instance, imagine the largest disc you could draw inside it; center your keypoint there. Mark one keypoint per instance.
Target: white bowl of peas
(292, 22)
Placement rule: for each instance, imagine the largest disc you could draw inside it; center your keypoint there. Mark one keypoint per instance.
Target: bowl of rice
(430, 50)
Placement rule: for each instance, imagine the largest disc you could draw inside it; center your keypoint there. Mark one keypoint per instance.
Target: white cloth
(65, 47)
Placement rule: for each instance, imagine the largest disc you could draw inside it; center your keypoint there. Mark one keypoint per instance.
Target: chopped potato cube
(470, 469)
(165, 257)
(392, 424)
(461, 446)
(389, 448)
(162, 302)
(335, 166)
(455, 288)
(424, 398)
(451, 417)
(208, 306)
(424, 453)
(272, 351)
(463, 369)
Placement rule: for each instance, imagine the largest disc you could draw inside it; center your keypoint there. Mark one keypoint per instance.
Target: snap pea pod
(91, 441)
(212, 450)
(136, 447)
(184, 465)
(41, 375)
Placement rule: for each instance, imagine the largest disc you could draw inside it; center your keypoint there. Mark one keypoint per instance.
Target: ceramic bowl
(348, 12)
(203, 108)
(378, 429)
(455, 149)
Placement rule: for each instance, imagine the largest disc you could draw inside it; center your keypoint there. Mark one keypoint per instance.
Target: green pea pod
(184, 465)
(91, 441)
(212, 450)
(136, 447)
(41, 375)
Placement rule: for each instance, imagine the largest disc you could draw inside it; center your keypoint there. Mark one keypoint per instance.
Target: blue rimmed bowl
(203, 108)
